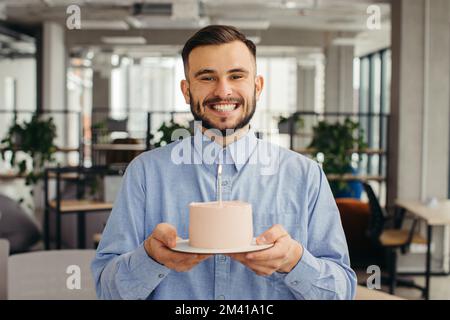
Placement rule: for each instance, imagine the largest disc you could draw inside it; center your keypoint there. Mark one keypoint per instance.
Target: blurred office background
(108, 72)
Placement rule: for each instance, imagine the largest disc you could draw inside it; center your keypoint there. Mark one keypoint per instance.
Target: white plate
(183, 246)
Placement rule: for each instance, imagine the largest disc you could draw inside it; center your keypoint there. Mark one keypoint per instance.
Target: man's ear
(259, 85)
(184, 84)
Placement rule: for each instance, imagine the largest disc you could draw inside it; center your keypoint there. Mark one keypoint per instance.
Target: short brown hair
(215, 35)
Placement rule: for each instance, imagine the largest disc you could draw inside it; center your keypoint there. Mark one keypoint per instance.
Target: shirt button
(221, 297)
(161, 275)
(224, 183)
(222, 258)
(294, 283)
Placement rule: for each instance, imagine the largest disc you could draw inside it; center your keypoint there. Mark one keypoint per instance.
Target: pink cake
(226, 226)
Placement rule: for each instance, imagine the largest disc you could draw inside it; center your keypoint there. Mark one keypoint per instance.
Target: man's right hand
(158, 245)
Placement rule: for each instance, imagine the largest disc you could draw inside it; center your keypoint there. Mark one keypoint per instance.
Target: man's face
(221, 85)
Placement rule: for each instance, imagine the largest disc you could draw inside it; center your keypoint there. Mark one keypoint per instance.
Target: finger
(166, 233)
(272, 234)
(261, 269)
(164, 253)
(236, 256)
(204, 256)
(271, 264)
(200, 258)
(278, 251)
(188, 258)
(186, 264)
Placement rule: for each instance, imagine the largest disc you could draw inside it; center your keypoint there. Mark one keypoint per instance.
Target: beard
(226, 131)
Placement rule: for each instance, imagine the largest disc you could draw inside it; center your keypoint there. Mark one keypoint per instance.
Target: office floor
(439, 287)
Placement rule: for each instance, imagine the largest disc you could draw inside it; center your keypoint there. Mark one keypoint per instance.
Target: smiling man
(222, 92)
(293, 207)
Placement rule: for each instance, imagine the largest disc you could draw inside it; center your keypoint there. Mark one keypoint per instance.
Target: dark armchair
(390, 238)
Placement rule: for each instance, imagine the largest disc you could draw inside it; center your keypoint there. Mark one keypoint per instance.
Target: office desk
(433, 216)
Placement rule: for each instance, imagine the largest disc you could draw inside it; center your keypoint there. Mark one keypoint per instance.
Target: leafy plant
(165, 131)
(337, 141)
(284, 122)
(36, 138)
(100, 131)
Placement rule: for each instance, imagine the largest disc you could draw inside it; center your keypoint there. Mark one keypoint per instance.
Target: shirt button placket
(222, 264)
(221, 277)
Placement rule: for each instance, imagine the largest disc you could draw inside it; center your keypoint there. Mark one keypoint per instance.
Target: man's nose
(223, 89)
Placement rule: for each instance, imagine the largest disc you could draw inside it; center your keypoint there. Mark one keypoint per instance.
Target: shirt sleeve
(323, 271)
(121, 268)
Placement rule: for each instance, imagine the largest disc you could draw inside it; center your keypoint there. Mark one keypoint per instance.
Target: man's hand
(282, 257)
(157, 246)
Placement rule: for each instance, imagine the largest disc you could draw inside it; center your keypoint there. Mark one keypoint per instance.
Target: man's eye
(207, 78)
(236, 77)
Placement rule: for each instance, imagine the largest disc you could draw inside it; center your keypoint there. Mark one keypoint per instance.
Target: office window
(17, 91)
(79, 107)
(279, 95)
(144, 85)
(374, 106)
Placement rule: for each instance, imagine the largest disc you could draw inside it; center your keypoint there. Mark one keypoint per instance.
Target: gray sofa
(17, 226)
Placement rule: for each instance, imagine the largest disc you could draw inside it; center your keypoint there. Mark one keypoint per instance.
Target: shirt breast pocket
(289, 220)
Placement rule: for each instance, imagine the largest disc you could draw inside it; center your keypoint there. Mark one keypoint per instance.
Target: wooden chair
(391, 239)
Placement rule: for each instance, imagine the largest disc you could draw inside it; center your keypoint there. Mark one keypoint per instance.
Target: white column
(306, 91)
(339, 79)
(54, 76)
(306, 74)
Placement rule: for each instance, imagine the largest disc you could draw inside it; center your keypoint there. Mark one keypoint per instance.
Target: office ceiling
(342, 15)
(290, 27)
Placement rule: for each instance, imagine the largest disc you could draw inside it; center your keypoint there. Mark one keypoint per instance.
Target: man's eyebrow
(209, 71)
(242, 70)
(203, 71)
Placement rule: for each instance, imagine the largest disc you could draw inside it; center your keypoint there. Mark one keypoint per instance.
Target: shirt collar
(236, 153)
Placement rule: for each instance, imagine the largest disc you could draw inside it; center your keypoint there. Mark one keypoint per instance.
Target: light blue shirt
(282, 186)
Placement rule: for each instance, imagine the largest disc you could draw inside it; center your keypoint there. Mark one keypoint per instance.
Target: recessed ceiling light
(124, 40)
(245, 24)
(290, 5)
(104, 24)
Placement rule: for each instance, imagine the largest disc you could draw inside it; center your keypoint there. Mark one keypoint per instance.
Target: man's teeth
(224, 107)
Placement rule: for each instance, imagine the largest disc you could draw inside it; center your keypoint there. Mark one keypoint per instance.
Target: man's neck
(226, 140)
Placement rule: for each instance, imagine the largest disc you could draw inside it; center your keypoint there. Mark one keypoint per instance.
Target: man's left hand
(282, 257)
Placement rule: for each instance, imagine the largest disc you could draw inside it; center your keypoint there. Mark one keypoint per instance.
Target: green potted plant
(35, 138)
(164, 133)
(337, 141)
(284, 123)
(100, 132)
